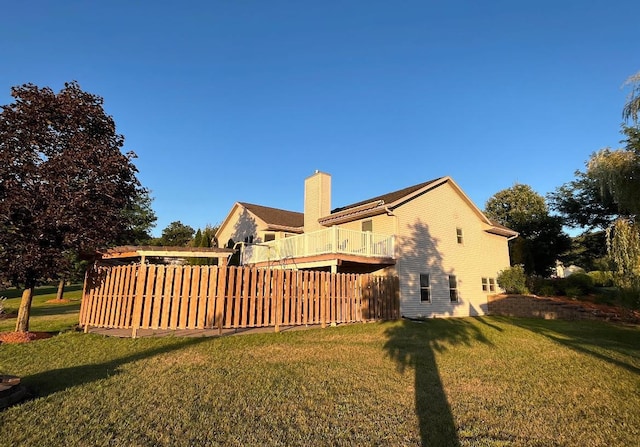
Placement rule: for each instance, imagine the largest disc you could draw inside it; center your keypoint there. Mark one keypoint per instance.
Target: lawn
(46, 316)
(483, 381)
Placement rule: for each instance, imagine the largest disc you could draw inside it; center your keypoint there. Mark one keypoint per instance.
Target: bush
(574, 292)
(601, 278)
(546, 290)
(513, 280)
(580, 281)
(547, 286)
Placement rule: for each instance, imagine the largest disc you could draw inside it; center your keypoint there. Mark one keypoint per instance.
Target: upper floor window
(269, 237)
(425, 287)
(367, 225)
(453, 288)
(459, 235)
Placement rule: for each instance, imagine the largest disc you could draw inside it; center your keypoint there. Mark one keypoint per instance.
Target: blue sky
(227, 101)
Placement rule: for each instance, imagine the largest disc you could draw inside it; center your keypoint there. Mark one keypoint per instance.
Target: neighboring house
(446, 253)
(564, 272)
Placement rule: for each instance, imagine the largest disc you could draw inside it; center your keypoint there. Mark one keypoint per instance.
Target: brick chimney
(317, 200)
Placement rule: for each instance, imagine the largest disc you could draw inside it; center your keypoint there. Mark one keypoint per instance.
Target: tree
(618, 173)
(583, 203)
(631, 109)
(204, 238)
(176, 234)
(541, 239)
(589, 251)
(140, 218)
(64, 184)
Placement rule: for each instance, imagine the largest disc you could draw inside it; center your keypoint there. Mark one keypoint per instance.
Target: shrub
(574, 292)
(601, 278)
(580, 281)
(513, 280)
(546, 290)
(547, 286)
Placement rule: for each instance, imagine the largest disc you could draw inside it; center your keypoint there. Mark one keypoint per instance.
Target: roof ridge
(389, 197)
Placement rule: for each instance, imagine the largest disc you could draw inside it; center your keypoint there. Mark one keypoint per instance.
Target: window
(488, 284)
(453, 288)
(459, 235)
(269, 237)
(367, 225)
(425, 288)
(248, 240)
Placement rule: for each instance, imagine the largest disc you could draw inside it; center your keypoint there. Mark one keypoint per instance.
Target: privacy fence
(205, 297)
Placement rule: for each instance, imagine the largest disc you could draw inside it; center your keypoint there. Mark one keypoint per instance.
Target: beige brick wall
(317, 200)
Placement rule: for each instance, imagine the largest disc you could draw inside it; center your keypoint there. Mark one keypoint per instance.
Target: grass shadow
(51, 381)
(414, 345)
(597, 339)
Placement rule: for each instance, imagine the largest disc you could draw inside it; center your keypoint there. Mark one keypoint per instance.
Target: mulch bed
(23, 337)
(605, 311)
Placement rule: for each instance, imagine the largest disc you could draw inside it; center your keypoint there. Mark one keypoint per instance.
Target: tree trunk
(24, 312)
(60, 294)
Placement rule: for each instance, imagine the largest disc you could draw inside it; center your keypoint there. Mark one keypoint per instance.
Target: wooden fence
(204, 297)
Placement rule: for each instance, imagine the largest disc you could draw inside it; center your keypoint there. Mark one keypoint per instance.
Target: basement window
(488, 284)
(425, 288)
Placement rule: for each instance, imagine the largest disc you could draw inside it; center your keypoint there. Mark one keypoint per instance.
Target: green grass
(45, 317)
(485, 381)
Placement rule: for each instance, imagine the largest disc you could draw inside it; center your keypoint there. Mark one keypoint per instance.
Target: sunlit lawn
(472, 382)
(46, 316)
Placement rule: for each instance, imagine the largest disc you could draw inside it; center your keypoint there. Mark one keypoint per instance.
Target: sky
(227, 101)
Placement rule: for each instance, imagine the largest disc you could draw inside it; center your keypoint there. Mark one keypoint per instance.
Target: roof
(134, 251)
(383, 203)
(389, 197)
(276, 216)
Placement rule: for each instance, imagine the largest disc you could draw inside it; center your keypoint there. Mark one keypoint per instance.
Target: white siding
(427, 243)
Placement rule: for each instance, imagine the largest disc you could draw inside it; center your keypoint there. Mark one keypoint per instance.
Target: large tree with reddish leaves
(65, 185)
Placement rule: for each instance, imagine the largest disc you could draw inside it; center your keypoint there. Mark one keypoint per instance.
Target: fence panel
(204, 297)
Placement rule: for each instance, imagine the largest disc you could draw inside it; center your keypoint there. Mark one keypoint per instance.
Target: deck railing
(334, 240)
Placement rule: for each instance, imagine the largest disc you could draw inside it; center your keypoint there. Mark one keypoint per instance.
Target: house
(443, 249)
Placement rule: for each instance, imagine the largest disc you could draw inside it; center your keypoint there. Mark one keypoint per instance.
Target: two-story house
(443, 249)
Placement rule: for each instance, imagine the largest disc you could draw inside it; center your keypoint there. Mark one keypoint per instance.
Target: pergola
(130, 252)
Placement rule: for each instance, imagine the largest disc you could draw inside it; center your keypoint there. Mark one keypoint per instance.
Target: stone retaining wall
(538, 307)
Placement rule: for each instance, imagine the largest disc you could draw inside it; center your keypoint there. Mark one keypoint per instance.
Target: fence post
(278, 298)
(85, 299)
(323, 299)
(138, 299)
